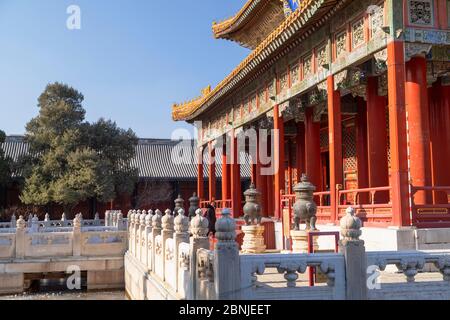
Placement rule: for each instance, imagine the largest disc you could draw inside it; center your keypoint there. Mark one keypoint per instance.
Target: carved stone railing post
(226, 259)
(199, 240)
(141, 232)
(21, 227)
(114, 218)
(181, 236)
(13, 221)
(107, 214)
(120, 222)
(137, 238)
(167, 233)
(47, 222)
(97, 219)
(130, 232)
(29, 220)
(34, 224)
(77, 235)
(63, 220)
(156, 231)
(148, 240)
(355, 256)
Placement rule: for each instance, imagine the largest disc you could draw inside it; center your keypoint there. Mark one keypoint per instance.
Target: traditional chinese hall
(356, 95)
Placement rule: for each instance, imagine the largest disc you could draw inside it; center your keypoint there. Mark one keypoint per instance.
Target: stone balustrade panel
(291, 265)
(411, 264)
(149, 250)
(39, 245)
(48, 239)
(205, 275)
(184, 288)
(7, 245)
(159, 257)
(137, 239)
(143, 251)
(170, 264)
(95, 244)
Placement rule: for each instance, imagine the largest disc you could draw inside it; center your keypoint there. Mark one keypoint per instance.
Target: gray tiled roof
(14, 147)
(155, 158)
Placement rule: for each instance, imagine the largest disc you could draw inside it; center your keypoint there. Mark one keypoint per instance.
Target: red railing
(372, 205)
(323, 200)
(434, 215)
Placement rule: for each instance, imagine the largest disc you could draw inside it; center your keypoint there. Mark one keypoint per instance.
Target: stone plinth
(253, 239)
(300, 241)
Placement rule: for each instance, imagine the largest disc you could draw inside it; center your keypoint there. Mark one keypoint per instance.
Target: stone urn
(179, 204)
(253, 230)
(305, 209)
(252, 208)
(194, 203)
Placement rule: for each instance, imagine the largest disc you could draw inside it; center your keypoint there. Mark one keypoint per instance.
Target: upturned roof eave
(224, 29)
(292, 25)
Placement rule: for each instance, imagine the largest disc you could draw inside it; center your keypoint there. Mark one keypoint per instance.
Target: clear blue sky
(132, 58)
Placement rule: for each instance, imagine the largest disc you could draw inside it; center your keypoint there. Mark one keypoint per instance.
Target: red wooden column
(398, 134)
(260, 181)
(300, 150)
(377, 139)
(225, 175)
(278, 156)
(313, 153)
(212, 171)
(200, 176)
(269, 182)
(440, 138)
(235, 177)
(416, 94)
(361, 148)
(335, 136)
(445, 105)
(261, 185)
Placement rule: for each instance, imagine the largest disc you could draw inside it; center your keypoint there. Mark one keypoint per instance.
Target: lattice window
(421, 12)
(358, 36)
(349, 144)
